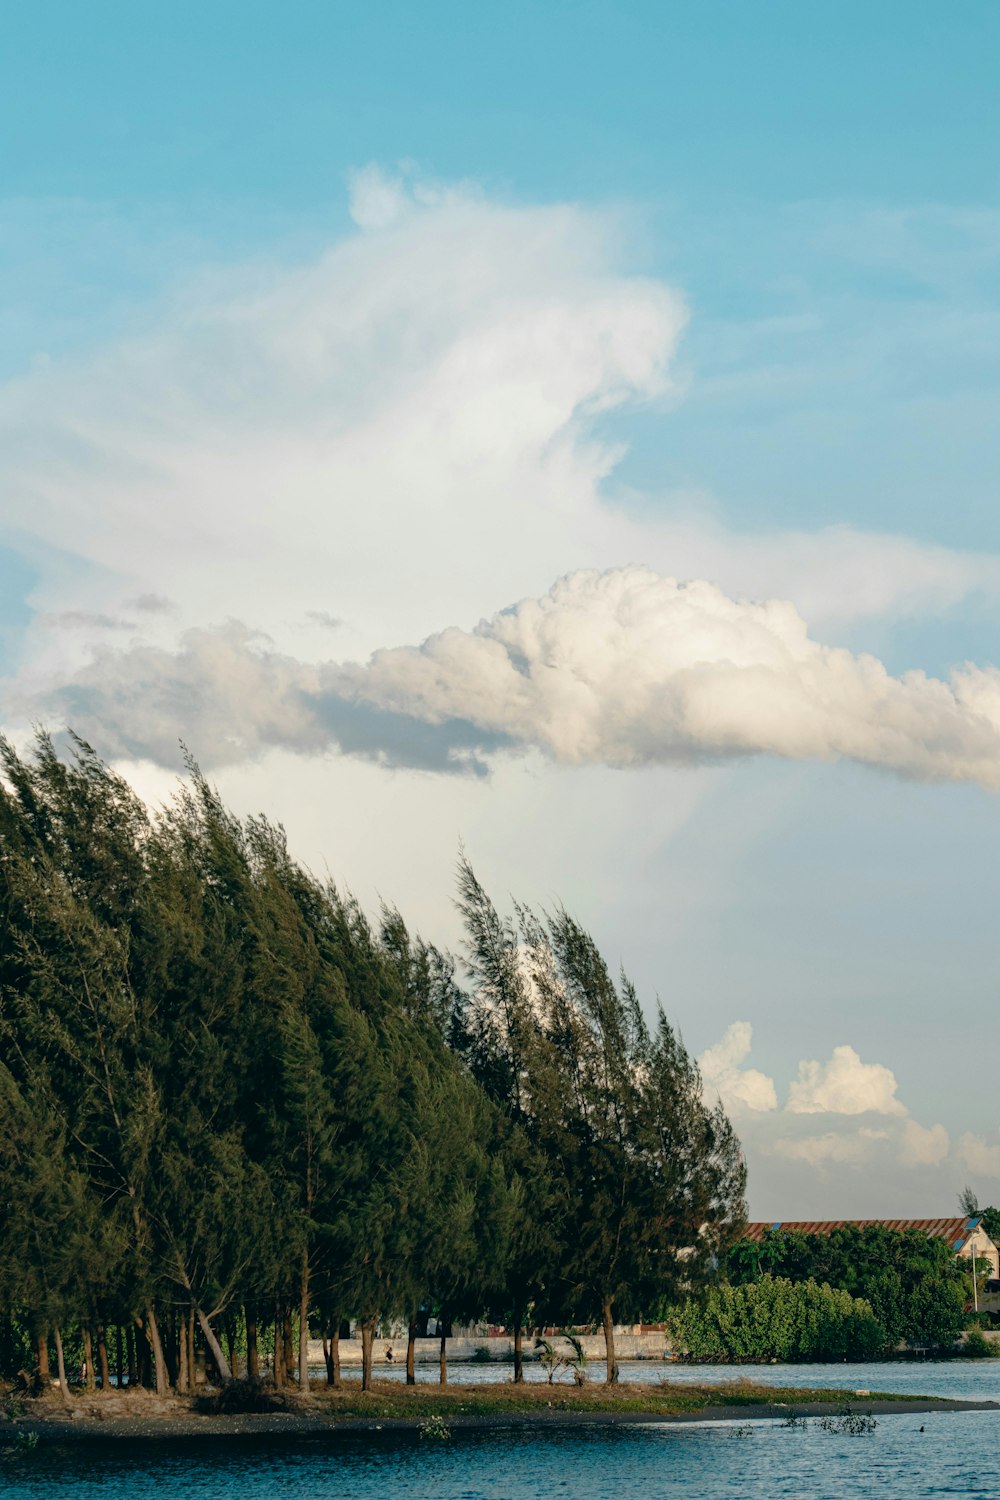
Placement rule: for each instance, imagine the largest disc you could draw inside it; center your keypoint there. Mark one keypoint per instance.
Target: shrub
(976, 1346)
(774, 1319)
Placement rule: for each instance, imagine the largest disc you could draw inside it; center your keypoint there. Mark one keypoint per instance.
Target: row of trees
(225, 1093)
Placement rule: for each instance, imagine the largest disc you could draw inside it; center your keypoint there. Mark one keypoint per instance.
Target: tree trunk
(411, 1354)
(102, 1357)
(185, 1381)
(169, 1336)
(609, 1341)
(518, 1350)
(331, 1354)
(42, 1356)
(279, 1349)
(215, 1348)
(156, 1344)
(234, 1358)
(143, 1354)
(288, 1351)
(367, 1334)
(443, 1361)
(253, 1357)
(61, 1362)
(88, 1358)
(304, 1324)
(189, 1335)
(120, 1347)
(133, 1371)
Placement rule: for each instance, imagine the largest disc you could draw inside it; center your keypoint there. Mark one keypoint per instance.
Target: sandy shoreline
(78, 1424)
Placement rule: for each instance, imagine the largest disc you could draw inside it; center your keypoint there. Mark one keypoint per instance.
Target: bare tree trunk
(88, 1358)
(185, 1382)
(609, 1341)
(253, 1357)
(215, 1348)
(42, 1356)
(331, 1354)
(133, 1371)
(367, 1334)
(189, 1335)
(156, 1344)
(102, 1357)
(61, 1362)
(443, 1361)
(411, 1353)
(169, 1337)
(234, 1358)
(288, 1352)
(142, 1354)
(304, 1324)
(518, 1348)
(279, 1349)
(120, 1346)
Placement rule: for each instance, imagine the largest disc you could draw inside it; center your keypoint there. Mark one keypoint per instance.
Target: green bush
(775, 1319)
(976, 1346)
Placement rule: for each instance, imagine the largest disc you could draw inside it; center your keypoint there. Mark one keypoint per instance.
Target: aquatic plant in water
(853, 1423)
(435, 1428)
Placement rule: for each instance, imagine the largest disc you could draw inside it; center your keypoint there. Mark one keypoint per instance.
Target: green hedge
(776, 1319)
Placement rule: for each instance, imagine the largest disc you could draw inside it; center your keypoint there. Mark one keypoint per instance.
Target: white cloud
(739, 1088)
(923, 1146)
(623, 668)
(979, 1156)
(821, 1150)
(844, 1086)
(376, 200)
(400, 433)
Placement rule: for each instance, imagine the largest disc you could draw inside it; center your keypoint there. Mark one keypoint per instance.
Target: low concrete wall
(427, 1351)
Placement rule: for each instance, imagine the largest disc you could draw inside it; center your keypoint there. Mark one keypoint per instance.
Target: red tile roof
(955, 1231)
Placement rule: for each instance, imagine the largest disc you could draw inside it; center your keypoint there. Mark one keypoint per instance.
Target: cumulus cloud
(739, 1088)
(821, 1150)
(403, 431)
(923, 1146)
(623, 668)
(844, 1086)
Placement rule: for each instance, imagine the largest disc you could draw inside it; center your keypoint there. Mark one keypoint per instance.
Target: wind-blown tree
(72, 877)
(496, 1030)
(657, 1178)
(647, 1180)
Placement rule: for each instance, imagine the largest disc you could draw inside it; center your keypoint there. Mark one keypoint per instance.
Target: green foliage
(776, 1319)
(912, 1281)
(637, 1185)
(976, 1346)
(228, 1102)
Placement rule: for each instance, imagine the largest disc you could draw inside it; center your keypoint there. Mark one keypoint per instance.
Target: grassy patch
(389, 1400)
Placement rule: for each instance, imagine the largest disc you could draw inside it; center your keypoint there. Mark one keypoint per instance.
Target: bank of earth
(140, 1414)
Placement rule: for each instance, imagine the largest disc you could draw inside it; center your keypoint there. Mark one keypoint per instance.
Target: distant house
(965, 1236)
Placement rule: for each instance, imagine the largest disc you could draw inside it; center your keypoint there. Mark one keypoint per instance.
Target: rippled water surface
(956, 1454)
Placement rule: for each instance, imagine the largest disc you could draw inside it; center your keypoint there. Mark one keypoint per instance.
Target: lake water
(956, 1455)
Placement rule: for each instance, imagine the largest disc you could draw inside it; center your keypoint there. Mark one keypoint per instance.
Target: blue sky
(818, 186)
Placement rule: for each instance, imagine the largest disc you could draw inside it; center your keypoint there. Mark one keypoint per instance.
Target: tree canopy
(227, 1097)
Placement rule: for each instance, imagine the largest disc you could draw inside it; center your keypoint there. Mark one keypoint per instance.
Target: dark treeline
(230, 1101)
